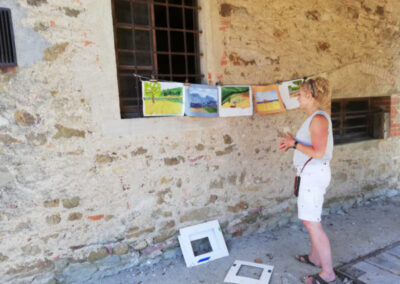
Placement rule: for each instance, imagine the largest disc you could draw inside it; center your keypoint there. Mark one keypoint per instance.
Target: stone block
(242, 205)
(36, 2)
(109, 261)
(79, 272)
(29, 250)
(98, 254)
(71, 203)
(34, 268)
(74, 216)
(3, 257)
(51, 203)
(121, 249)
(135, 234)
(140, 245)
(36, 139)
(24, 118)
(53, 52)
(163, 236)
(65, 132)
(201, 214)
(53, 219)
(8, 139)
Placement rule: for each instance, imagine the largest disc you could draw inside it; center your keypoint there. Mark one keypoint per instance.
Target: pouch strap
(305, 165)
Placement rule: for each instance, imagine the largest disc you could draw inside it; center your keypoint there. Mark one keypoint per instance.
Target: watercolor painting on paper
(289, 91)
(235, 101)
(201, 100)
(162, 98)
(267, 99)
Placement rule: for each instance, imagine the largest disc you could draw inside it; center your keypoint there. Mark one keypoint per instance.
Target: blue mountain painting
(201, 100)
(197, 101)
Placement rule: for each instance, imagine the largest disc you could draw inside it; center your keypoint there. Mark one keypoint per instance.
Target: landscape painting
(267, 99)
(162, 98)
(201, 100)
(235, 101)
(289, 91)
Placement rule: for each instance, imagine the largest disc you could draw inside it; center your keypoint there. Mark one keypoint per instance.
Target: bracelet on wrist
(295, 144)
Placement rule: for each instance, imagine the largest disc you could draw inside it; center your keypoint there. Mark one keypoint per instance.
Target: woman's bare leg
(320, 247)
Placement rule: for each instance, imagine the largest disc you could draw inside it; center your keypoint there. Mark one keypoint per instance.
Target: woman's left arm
(319, 130)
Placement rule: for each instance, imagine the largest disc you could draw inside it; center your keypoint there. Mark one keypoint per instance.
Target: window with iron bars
(359, 119)
(154, 38)
(8, 56)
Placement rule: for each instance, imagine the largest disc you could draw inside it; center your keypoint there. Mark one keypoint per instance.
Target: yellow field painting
(163, 107)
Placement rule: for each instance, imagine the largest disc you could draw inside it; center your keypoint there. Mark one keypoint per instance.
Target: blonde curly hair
(319, 89)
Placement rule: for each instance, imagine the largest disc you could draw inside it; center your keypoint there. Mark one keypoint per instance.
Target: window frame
(135, 110)
(344, 115)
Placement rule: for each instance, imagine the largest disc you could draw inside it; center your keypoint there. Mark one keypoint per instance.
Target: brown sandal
(305, 259)
(316, 277)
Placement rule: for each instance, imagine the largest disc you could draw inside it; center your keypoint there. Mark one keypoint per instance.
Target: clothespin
(278, 82)
(219, 83)
(153, 79)
(186, 84)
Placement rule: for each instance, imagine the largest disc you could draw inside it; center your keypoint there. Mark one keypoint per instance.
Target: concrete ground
(356, 232)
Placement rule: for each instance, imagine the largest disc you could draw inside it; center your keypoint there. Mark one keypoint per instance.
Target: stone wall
(85, 194)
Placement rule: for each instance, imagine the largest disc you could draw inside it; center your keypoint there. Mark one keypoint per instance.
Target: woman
(313, 140)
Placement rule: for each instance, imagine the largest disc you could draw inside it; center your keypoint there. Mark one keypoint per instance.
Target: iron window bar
(8, 56)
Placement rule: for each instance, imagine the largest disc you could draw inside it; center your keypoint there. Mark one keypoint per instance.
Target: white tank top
(304, 137)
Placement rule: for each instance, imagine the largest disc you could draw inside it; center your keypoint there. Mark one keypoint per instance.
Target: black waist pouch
(297, 180)
(296, 185)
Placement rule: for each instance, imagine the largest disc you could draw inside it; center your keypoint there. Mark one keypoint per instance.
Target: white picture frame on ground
(210, 230)
(233, 277)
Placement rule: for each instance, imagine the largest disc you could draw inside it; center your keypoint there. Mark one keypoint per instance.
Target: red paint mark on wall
(56, 258)
(224, 25)
(50, 146)
(52, 24)
(127, 205)
(224, 60)
(96, 217)
(196, 159)
(88, 42)
(209, 76)
(220, 76)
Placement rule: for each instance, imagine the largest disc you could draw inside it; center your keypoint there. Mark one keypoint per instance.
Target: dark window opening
(8, 56)
(157, 39)
(360, 119)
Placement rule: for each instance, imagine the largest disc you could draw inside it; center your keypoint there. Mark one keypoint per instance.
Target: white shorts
(314, 181)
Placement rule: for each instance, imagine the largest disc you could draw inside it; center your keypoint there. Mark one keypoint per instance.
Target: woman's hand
(286, 142)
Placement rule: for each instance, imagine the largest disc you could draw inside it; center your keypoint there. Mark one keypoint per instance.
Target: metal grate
(8, 56)
(157, 39)
(380, 266)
